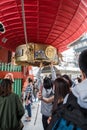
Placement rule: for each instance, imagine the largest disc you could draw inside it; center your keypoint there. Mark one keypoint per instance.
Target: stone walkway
(32, 125)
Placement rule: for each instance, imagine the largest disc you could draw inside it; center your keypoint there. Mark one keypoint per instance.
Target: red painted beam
(16, 75)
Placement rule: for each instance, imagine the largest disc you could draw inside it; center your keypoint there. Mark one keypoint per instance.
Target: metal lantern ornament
(34, 54)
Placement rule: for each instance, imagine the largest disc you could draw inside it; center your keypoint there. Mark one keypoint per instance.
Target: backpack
(70, 117)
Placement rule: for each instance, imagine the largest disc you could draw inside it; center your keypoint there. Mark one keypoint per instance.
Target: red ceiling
(53, 22)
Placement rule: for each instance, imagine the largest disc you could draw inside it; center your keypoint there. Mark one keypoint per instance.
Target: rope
(24, 21)
(25, 31)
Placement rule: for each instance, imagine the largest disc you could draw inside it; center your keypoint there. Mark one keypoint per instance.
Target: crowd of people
(63, 103)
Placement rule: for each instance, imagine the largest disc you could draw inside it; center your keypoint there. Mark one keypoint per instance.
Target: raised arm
(39, 78)
(53, 72)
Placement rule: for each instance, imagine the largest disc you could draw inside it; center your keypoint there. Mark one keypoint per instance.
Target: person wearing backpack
(73, 113)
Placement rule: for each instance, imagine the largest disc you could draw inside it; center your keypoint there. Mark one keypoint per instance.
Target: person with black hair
(46, 108)
(46, 89)
(11, 108)
(80, 91)
(28, 98)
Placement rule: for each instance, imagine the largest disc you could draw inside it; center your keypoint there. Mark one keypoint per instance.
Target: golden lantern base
(34, 54)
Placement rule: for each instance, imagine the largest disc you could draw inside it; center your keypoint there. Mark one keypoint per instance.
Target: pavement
(36, 121)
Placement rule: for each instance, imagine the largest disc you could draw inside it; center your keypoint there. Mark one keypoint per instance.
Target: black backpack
(70, 116)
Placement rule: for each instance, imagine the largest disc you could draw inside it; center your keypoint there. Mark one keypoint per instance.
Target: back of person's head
(83, 62)
(61, 90)
(5, 87)
(61, 87)
(68, 79)
(30, 80)
(47, 83)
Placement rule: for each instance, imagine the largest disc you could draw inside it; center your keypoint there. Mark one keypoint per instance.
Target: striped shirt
(29, 90)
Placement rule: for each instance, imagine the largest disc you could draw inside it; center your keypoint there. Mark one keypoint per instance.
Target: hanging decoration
(34, 54)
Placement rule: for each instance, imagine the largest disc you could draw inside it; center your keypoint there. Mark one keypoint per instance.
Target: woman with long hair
(62, 88)
(11, 108)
